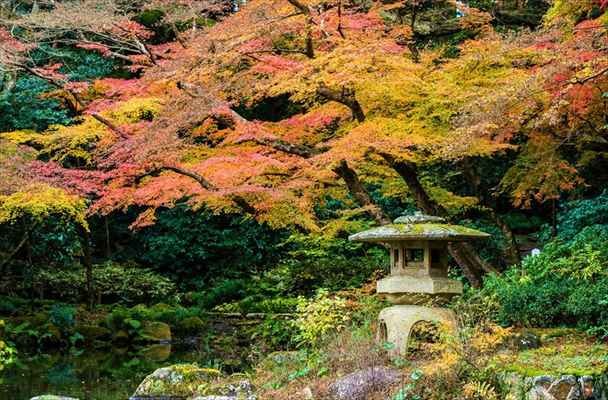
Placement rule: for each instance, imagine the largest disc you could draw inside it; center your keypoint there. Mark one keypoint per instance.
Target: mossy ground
(562, 352)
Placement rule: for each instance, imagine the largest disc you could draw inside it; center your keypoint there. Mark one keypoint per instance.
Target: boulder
(182, 380)
(186, 381)
(361, 384)
(238, 390)
(190, 326)
(564, 388)
(52, 397)
(92, 333)
(155, 332)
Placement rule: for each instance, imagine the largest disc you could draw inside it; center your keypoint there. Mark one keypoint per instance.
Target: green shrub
(181, 319)
(321, 317)
(7, 352)
(224, 291)
(278, 333)
(261, 304)
(63, 317)
(190, 326)
(576, 215)
(199, 248)
(564, 285)
(130, 284)
(114, 283)
(316, 262)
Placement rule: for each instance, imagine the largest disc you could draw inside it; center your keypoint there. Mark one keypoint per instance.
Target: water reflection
(111, 374)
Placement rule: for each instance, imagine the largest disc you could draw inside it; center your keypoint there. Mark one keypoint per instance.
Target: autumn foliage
(344, 85)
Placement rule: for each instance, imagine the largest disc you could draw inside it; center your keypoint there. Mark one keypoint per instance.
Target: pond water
(93, 374)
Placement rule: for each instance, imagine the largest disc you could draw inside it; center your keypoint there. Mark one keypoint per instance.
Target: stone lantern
(418, 246)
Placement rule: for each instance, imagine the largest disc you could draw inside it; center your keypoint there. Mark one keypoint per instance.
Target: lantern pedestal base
(396, 324)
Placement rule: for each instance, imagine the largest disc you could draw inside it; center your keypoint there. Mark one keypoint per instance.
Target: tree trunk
(88, 265)
(553, 218)
(473, 276)
(511, 252)
(310, 47)
(465, 255)
(358, 191)
(30, 267)
(106, 224)
(14, 252)
(304, 9)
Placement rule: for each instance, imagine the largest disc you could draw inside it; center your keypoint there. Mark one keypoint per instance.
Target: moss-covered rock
(192, 382)
(92, 333)
(155, 332)
(184, 380)
(234, 387)
(190, 326)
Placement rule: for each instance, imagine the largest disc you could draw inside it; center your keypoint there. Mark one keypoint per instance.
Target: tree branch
(181, 171)
(346, 97)
(303, 8)
(61, 85)
(205, 184)
(356, 188)
(12, 254)
(195, 92)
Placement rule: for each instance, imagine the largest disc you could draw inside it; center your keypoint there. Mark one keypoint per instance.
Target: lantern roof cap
(418, 227)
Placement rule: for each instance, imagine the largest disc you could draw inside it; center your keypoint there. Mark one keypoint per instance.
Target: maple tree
(370, 110)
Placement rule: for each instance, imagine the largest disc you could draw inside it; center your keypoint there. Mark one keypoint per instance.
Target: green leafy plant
(567, 284)
(114, 283)
(63, 317)
(320, 317)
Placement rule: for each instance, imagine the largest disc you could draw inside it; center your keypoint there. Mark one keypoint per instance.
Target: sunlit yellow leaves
(135, 110)
(74, 145)
(570, 12)
(37, 203)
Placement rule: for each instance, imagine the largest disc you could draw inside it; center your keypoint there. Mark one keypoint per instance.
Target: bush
(63, 317)
(7, 352)
(114, 283)
(130, 284)
(320, 317)
(567, 284)
(576, 215)
(200, 248)
(316, 262)
(181, 319)
(223, 292)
